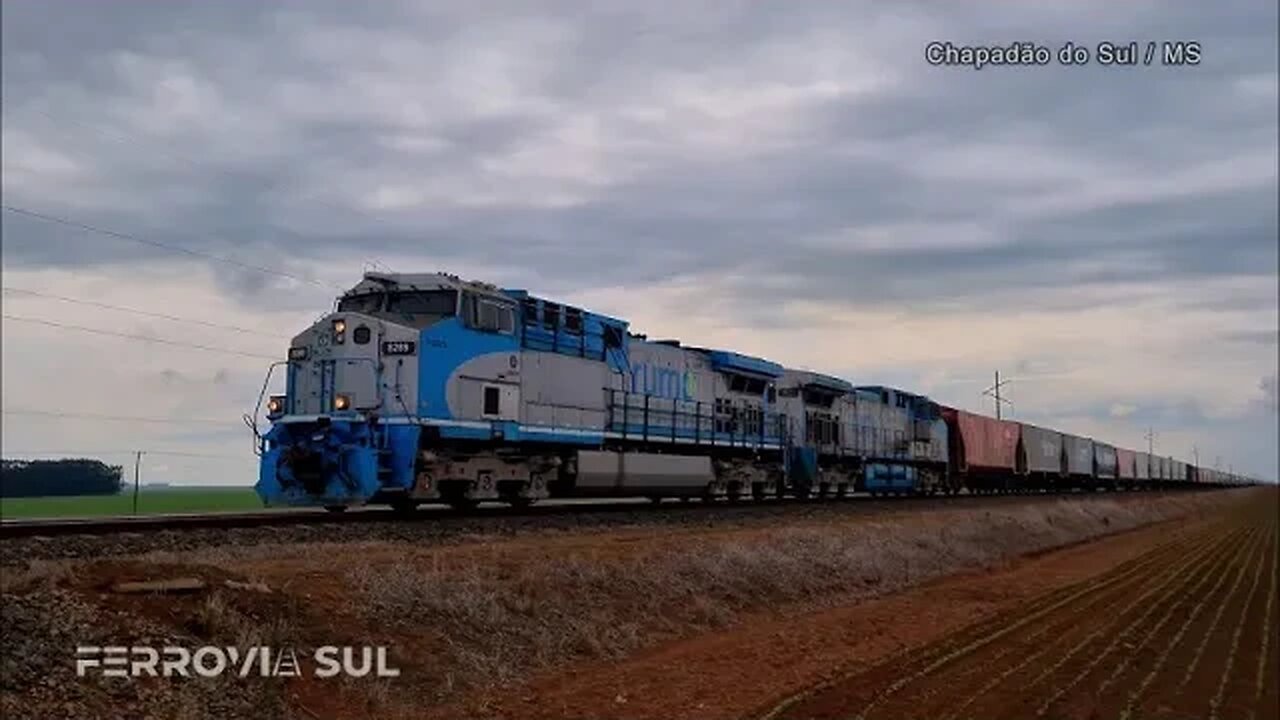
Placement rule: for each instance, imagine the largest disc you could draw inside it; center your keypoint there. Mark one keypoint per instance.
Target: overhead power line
(157, 243)
(117, 418)
(85, 453)
(161, 149)
(135, 311)
(143, 338)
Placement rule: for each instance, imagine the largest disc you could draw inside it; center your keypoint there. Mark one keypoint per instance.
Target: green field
(155, 501)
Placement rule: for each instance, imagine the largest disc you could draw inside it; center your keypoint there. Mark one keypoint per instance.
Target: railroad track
(145, 523)
(282, 518)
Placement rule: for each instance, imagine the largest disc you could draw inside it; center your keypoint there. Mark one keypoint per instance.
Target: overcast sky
(791, 180)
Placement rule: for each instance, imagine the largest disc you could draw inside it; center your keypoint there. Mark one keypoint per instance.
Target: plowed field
(1186, 630)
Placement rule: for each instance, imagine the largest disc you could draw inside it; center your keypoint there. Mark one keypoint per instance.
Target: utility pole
(1151, 441)
(1195, 453)
(994, 391)
(137, 474)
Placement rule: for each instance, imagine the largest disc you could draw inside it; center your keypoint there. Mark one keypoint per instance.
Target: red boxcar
(1126, 462)
(982, 444)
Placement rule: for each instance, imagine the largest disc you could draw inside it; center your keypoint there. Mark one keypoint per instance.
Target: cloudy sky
(791, 180)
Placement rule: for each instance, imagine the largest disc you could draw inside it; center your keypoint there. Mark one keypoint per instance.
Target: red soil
(1088, 631)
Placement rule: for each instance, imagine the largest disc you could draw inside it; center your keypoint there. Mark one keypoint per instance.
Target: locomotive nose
(307, 468)
(335, 363)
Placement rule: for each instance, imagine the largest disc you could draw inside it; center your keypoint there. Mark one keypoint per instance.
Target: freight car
(430, 388)
(1126, 468)
(985, 451)
(1045, 456)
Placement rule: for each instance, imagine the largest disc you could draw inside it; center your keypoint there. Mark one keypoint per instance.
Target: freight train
(427, 388)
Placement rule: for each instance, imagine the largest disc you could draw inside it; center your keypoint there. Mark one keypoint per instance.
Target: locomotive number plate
(398, 347)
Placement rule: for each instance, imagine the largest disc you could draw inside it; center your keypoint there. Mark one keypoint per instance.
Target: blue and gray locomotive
(430, 388)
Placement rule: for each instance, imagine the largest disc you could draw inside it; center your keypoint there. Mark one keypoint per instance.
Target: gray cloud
(805, 149)
(1256, 337)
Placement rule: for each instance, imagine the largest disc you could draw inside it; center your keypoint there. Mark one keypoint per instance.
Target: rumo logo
(664, 382)
(212, 661)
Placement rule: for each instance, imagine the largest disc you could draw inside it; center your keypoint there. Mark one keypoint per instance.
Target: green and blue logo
(664, 382)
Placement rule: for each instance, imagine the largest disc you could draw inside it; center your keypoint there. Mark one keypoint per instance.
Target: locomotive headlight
(275, 406)
(297, 353)
(339, 331)
(341, 402)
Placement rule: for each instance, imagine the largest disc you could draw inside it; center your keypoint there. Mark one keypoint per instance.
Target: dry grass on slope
(502, 620)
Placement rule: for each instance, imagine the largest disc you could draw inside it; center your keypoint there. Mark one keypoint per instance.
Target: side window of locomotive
(492, 317)
(773, 394)
(550, 315)
(367, 304)
(819, 399)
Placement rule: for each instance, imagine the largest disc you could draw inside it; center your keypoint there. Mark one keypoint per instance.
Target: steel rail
(20, 528)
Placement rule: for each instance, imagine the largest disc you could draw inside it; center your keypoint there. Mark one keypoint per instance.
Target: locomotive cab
(352, 380)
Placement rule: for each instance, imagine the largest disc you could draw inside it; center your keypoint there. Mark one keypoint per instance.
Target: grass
(150, 502)
(501, 622)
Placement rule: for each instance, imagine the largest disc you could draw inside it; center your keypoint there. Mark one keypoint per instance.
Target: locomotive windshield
(434, 302)
(420, 308)
(416, 308)
(368, 304)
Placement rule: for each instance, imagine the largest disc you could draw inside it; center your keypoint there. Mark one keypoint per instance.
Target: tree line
(36, 478)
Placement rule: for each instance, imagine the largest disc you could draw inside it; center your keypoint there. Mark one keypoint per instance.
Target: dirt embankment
(623, 623)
